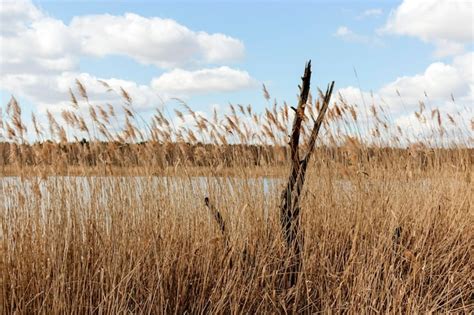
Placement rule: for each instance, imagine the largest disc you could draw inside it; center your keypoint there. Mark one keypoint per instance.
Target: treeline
(144, 154)
(162, 155)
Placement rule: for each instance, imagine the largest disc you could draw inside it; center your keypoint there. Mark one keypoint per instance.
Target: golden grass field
(113, 225)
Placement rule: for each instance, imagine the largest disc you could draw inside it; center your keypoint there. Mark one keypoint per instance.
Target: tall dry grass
(387, 216)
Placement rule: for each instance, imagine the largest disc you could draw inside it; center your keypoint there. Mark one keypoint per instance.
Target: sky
(212, 53)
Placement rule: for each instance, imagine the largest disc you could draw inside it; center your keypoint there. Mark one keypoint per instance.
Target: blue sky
(410, 46)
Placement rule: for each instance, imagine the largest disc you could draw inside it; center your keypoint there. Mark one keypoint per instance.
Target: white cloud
(57, 46)
(13, 15)
(422, 129)
(39, 55)
(448, 24)
(52, 91)
(162, 42)
(41, 45)
(401, 97)
(220, 79)
(355, 96)
(440, 82)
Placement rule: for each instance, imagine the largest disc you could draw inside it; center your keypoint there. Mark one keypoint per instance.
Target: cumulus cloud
(32, 42)
(220, 79)
(162, 42)
(52, 91)
(40, 54)
(445, 23)
(49, 91)
(13, 14)
(440, 82)
(448, 87)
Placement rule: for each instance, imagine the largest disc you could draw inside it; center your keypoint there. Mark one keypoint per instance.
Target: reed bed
(104, 212)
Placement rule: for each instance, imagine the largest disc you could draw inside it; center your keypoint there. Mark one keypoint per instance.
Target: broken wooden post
(290, 198)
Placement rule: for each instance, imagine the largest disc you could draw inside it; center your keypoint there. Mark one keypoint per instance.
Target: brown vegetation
(386, 218)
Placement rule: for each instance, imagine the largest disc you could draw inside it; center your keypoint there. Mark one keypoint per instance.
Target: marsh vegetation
(118, 223)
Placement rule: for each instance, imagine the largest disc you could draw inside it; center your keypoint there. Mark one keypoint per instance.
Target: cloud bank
(40, 55)
(448, 24)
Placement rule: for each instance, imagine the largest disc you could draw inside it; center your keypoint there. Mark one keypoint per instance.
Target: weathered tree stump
(290, 211)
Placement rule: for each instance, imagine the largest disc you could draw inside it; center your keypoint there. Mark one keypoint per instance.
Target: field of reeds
(106, 211)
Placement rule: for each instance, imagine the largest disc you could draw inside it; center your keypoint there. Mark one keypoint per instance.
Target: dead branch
(290, 198)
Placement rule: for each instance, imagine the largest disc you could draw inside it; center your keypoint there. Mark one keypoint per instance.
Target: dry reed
(387, 220)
